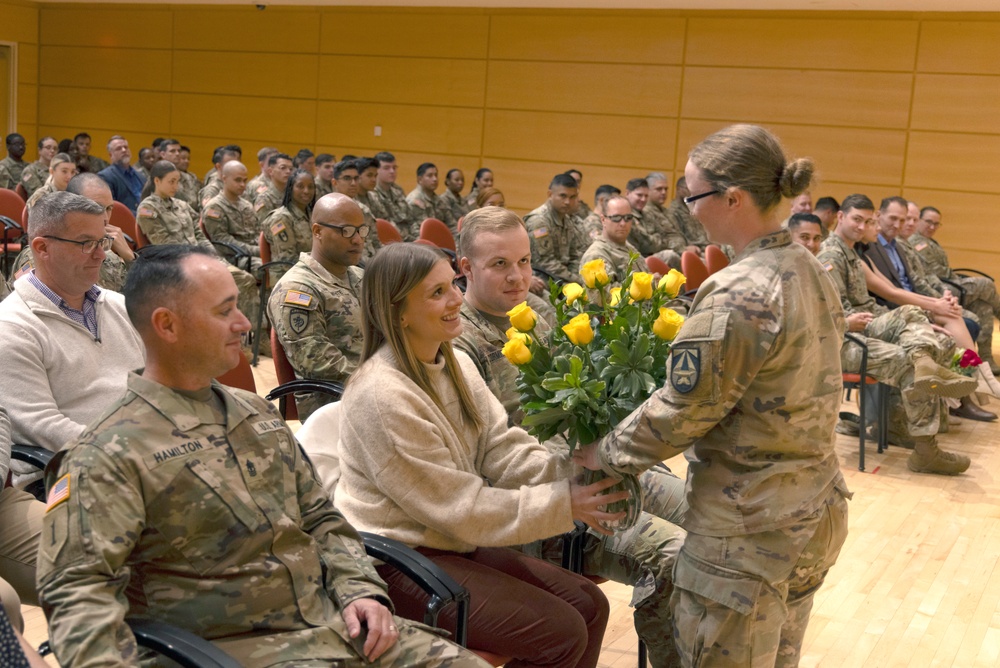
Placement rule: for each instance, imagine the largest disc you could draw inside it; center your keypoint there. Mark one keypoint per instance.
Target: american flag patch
(921, 246)
(144, 211)
(541, 232)
(828, 266)
(277, 228)
(22, 271)
(297, 298)
(58, 493)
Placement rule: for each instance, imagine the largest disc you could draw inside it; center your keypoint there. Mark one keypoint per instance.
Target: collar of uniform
(774, 239)
(477, 320)
(171, 405)
(350, 282)
(839, 244)
(554, 215)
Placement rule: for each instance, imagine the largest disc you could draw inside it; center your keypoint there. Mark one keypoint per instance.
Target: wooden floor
(917, 583)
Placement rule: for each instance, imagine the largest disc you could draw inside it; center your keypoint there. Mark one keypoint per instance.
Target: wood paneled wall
(886, 103)
(19, 24)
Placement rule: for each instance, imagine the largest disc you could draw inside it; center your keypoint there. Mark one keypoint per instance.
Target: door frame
(12, 105)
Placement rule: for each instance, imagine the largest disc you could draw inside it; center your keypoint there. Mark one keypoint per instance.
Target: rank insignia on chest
(298, 320)
(541, 232)
(685, 368)
(58, 493)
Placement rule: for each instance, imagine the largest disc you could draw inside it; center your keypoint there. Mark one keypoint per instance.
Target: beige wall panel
(265, 119)
(525, 183)
(131, 69)
(144, 28)
(285, 75)
(27, 63)
(968, 221)
(558, 37)
(951, 102)
(453, 34)
(27, 106)
(954, 162)
(864, 99)
(848, 155)
(960, 47)
(986, 262)
(94, 108)
(824, 44)
(573, 138)
(274, 30)
(436, 81)
(20, 23)
(634, 90)
(404, 128)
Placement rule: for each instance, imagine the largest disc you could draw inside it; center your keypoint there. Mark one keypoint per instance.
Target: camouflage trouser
(744, 601)
(889, 364)
(981, 298)
(416, 648)
(909, 328)
(249, 298)
(643, 557)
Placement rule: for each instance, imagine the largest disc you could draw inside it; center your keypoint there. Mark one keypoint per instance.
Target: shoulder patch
(919, 247)
(298, 320)
(259, 205)
(26, 176)
(685, 368)
(213, 213)
(828, 266)
(278, 227)
(540, 232)
(296, 298)
(58, 493)
(146, 211)
(23, 270)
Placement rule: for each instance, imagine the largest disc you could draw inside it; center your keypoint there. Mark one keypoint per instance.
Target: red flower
(970, 358)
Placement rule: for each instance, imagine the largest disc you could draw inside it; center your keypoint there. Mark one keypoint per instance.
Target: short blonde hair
(487, 219)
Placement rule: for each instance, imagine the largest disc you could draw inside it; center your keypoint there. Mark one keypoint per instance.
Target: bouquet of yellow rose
(605, 358)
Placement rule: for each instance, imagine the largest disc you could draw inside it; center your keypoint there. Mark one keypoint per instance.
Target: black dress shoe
(970, 411)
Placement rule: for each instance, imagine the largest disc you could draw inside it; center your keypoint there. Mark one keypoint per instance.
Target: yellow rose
(641, 287)
(594, 274)
(672, 282)
(572, 292)
(516, 351)
(668, 324)
(616, 295)
(512, 334)
(522, 317)
(579, 330)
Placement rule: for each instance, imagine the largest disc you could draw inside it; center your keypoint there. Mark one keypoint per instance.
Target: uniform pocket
(732, 589)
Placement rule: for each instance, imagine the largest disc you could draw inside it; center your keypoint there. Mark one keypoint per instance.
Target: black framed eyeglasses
(86, 247)
(348, 230)
(622, 218)
(694, 198)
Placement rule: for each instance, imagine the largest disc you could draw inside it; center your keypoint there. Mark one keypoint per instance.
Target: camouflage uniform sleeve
(543, 249)
(6, 180)
(698, 391)
(89, 531)
(304, 333)
(216, 224)
(278, 232)
(836, 268)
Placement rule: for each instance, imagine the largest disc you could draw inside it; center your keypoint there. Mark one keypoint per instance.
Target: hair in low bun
(795, 178)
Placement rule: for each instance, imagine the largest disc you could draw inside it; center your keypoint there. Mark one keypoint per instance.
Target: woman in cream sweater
(427, 458)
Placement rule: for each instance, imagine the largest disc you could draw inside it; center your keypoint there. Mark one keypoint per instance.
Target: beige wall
(885, 103)
(19, 24)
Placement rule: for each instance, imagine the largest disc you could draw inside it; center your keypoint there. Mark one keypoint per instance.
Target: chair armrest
(182, 646)
(264, 268)
(233, 254)
(972, 271)
(330, 387)
(32, 454)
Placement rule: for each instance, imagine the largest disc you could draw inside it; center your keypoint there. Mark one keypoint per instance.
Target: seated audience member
(652, 234)
(806, 230)
(925, 349)
(980, 293)
(85, 162)
(592, 225)
(164, 219)
(260, 183)
(315, 308)
(463, 483)
(147, 158)
(125, 182)
(582, 208)
(184, 164)
(280, 170)
(270, 571)
(495, 258)
(424, 202)
(826, 209)
(190, 187)
(19, 533)
(305, 159)
(393, 199)
(451, 198)
(802, 203)
(558, 244)
(346, 179)
(324, 174)
(213, 179)
(12, 167)
(61, 170)
(613, 246)
(287, 229)
(679, 216)
(74, 344)
(367, 182)
(35, 174)
(117, 259)
(482, 180)
(490, 197)
(229, 218)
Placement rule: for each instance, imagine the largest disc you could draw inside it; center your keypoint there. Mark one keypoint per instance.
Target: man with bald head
(315, 308)
(229, 218)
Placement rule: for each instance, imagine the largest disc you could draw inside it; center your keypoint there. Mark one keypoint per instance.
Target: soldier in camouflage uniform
(346, 182)
(189, 188)
(679, 217)
(753, 390)
(393, 199)
(452, 200)
(86, 162)
(367, 182)
(613, 246)
(496, 259)
(227, 217)
(269, 200)
(13, 165)
(906, 327)
(557, 244)
(265, 567)
(288, 230)
(213, 179)
(980, 293)
(424, 202)
(35, 174)
(259, 183)
(651, 233)
(324, 174)
(315, 307)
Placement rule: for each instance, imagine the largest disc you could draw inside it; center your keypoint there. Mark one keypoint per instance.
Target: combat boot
(930, 377)
(927, 457)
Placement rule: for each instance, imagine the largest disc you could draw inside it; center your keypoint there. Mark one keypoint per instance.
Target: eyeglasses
(89, 246)
(694, 198)
(622, 218)
(348, 230)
